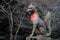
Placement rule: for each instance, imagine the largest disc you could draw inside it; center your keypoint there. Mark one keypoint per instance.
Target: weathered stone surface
(38, 38)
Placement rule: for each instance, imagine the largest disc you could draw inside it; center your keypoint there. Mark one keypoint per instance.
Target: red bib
(33, 17)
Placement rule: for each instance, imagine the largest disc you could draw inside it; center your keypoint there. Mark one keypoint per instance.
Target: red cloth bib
(33, 17)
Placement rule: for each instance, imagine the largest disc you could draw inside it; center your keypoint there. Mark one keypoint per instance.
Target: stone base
(38, 38)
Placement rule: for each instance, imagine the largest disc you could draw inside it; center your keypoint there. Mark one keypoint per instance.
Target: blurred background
(14, 20)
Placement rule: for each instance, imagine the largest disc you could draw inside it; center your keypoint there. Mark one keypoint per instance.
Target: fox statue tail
(48, 22)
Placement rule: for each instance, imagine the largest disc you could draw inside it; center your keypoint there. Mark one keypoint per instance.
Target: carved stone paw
(31, 35)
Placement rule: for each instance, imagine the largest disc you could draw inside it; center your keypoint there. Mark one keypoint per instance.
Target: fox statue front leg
(34, 20)
(33, 30)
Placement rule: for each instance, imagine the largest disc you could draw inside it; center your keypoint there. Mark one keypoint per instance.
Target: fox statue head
(31, 7)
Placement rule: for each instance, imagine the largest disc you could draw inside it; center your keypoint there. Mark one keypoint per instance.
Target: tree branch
(16, 5)
(5, 2)
(18, 27)
(11, 25)
(5, 10)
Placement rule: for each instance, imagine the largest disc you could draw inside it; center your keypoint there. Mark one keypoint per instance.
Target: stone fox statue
(36, 20)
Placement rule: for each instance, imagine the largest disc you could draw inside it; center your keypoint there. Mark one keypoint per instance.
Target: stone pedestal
(38, 38)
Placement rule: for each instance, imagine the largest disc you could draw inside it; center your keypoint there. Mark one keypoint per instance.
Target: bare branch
(18, 27)
(16, 5)
(5, 2)
(25, 26)
(11, 25)
(5, 10)
(10, 21)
